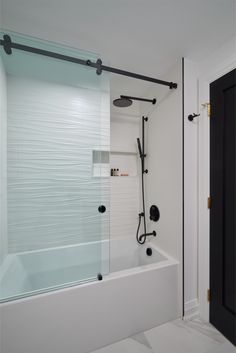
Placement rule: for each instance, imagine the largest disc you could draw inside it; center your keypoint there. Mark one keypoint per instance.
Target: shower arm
(153, 101)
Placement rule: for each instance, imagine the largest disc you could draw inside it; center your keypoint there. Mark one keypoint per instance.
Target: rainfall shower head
(126, 101)
(122, 102)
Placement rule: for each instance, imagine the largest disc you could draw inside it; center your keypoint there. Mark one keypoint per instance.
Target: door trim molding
(191, 309)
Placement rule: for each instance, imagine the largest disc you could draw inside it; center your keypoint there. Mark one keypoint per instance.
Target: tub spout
(147, 235)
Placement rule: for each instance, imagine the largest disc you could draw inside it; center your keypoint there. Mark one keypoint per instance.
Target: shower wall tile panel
(125, 191)
(53, 197)
(124, 206)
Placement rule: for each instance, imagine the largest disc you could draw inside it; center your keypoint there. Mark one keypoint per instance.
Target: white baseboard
(191, 309)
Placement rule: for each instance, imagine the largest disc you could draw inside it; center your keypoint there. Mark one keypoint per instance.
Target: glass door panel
(57, 166)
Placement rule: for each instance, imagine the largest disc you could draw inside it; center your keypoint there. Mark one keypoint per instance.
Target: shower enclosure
(54, 226)
(55, 212)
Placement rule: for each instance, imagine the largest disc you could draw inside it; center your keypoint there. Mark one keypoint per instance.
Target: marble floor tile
(226, 347)
(142, 339)
(128, 345)
(193, 336)
(205, 328)
(184, 337)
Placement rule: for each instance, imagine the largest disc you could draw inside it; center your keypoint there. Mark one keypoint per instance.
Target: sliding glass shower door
(55, 171)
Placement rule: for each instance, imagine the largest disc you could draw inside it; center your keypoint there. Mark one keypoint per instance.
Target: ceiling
(144, 36)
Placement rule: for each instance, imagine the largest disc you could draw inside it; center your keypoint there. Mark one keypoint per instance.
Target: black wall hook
(192, 116)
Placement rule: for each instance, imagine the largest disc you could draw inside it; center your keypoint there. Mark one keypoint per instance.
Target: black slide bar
(8, 45)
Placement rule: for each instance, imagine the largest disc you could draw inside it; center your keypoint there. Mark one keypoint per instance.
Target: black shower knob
(154, 213)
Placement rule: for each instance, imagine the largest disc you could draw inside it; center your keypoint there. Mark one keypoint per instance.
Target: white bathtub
(139, 293)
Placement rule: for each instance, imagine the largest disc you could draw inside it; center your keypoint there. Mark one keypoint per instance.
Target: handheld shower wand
(139, 148)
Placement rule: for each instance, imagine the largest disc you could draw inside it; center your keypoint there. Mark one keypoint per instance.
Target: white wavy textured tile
(53, 197)
(124, 206)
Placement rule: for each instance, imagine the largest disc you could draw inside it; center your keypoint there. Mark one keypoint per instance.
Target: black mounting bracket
(173, 85)
(99, 67)
(99, 277)
(7, 44)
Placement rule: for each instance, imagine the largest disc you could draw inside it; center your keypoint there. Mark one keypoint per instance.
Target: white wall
(1, 117)
(1, 18)
(164, 164)
(125, 190)
(3, 163)
(191, 188)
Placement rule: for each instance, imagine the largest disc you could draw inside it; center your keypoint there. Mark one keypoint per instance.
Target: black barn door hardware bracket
(7, 44)
(192, 116)
(99, 67)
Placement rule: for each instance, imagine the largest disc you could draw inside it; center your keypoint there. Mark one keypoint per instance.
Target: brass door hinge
(209, 202)
(208, 295)
(208, 106)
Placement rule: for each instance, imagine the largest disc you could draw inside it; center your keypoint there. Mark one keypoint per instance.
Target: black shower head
(126, 101)
(122, 102)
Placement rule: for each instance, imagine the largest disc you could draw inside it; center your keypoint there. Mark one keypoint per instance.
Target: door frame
(204, 182)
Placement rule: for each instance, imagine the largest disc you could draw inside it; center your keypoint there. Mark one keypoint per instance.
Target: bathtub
(139, 292)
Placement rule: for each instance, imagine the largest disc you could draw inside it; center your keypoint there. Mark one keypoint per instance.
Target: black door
(223, 209)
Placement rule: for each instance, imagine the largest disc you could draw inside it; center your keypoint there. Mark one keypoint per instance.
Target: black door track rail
(8, 45)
